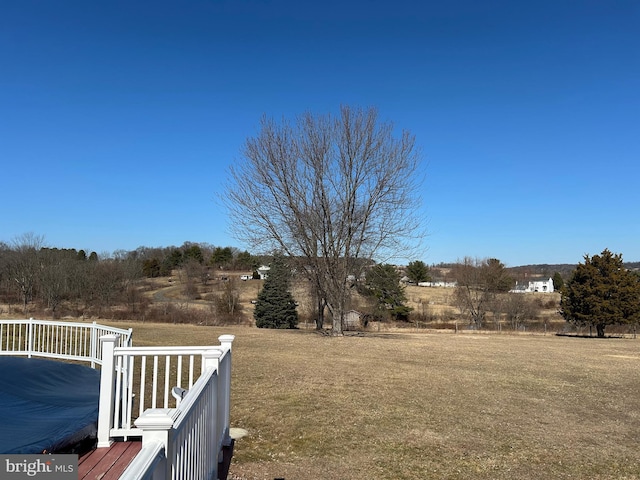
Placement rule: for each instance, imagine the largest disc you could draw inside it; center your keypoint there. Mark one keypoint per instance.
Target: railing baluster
(191, 368)
(154, 386)
(167, 373)
(179, 376)
(143, 375)
(130, 391)
(117, 394)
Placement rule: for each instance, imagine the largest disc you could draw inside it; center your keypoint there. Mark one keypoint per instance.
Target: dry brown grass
(416, 406)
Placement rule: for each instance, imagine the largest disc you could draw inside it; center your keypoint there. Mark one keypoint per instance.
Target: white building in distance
(544, 286)
(263, 271)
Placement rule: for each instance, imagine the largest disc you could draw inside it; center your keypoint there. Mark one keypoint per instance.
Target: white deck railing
(61, 340)
(186, 442)
(182, 435)
(137, 378)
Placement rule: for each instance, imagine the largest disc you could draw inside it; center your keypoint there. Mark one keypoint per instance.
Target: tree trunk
(336, 325)
(320, 315)
(600, 330)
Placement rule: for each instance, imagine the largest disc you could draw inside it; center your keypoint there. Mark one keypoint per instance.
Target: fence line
(57, 339)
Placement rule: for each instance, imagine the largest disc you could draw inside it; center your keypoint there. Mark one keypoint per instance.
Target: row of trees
(483, 288)
(600, 292)
(31, 272)
(160, 262)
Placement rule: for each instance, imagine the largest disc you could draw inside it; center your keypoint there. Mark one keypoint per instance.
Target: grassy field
(427, 405)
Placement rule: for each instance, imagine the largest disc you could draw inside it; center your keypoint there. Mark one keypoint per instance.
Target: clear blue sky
(118, 119)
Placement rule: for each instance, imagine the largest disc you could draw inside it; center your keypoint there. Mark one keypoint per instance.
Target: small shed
(352, 320)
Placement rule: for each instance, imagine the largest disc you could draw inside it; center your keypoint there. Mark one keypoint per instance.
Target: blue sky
(119, 119)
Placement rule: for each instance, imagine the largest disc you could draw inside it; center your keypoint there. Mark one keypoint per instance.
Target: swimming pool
(46, 405)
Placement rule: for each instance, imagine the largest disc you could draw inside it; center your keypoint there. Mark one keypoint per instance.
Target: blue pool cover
(46, 405)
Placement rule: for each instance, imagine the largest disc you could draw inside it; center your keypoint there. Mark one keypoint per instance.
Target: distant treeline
(86, 283)
(541, 270)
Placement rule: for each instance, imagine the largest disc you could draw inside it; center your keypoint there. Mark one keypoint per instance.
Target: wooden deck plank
(100, 459)
(108, 463)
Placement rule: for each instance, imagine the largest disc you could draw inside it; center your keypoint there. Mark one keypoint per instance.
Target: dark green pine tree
(558, 282)
(601, 292)
(383, 283)
(275, 307)
(417, 271)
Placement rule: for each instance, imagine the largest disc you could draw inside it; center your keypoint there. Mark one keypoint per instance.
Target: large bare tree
(334, 191)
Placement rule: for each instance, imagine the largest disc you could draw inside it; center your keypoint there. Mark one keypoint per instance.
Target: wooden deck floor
(110, 463)
(107, 463)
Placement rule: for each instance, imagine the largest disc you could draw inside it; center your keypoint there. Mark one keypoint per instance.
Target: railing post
(224, 390)
(93, 344)
(156, 425)
(30, 337)
(107, 390)
(210, 359)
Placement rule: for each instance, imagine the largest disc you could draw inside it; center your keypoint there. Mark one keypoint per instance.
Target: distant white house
(438, 284)
(263, 271)
(545, 286)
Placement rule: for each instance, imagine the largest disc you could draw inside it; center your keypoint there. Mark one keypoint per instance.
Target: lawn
(427, 405)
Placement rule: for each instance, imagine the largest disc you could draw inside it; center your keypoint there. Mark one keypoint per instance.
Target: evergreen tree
(383, 282)
(221, 256)
(244, 260)
(192, 252)
(275, 307)
(174, 259)
(496, 277)
(558, 282)
(418, 271)
(151, 268)
(601, 292)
